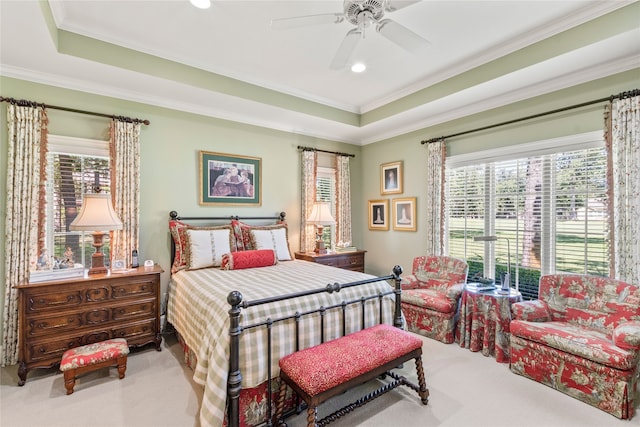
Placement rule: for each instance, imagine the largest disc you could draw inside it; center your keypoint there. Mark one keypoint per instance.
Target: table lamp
(97, 215)
(506, 282)
(320, 216)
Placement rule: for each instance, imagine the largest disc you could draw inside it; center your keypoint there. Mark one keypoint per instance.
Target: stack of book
(478, 287)
(57, 274)
(340, 249)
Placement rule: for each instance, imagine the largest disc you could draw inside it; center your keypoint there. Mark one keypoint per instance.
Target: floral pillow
(177, 229)
(249, 259)
(242, 235)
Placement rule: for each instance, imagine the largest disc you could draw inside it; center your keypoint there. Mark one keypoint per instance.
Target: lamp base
(97, 259)
(320, 248)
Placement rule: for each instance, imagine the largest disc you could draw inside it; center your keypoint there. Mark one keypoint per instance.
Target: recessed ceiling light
(201, 4)
(358, 67)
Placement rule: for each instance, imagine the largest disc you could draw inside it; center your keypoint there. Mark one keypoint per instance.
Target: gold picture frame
(404, 214)
(391, 178)
(379, 215)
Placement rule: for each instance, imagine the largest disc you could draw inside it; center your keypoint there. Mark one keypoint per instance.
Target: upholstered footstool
(94, 356)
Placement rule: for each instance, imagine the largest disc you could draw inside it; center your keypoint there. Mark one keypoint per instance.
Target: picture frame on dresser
(230, 179)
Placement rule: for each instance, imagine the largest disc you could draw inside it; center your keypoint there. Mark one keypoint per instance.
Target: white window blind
(326, 192)
(74, 167)
(549, 207)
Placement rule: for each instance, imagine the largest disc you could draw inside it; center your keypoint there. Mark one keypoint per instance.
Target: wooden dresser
(347, 260)
(58, 315)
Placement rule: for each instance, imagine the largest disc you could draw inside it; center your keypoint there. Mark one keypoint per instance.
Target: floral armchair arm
(627, 335)
(454, 291)
(532, 311)
(410, 281)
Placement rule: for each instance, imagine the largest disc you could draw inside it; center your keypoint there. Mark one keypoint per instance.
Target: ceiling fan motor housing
(354, 8)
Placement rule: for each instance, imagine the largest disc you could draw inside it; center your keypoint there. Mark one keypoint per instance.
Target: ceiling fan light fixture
(201, 4)
(358, 67)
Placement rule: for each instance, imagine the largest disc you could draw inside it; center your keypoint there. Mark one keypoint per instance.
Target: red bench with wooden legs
(328, 369)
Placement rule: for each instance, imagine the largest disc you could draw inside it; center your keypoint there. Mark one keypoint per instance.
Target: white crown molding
(592, 11)
(588, 74)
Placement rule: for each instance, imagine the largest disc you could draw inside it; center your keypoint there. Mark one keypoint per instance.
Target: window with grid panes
(546, 204)
(75, 166)
(326, 192)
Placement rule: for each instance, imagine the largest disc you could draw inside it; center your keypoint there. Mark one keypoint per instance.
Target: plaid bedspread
(198, 309)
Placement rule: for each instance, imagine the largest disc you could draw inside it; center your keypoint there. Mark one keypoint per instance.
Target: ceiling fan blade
(392, 6)
(304, 21)
(346, 49)
(403, 37)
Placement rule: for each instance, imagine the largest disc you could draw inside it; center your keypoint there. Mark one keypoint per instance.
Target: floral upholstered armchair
(430, 296)
(581, 337)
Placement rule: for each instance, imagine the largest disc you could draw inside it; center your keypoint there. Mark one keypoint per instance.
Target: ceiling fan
(362, 14)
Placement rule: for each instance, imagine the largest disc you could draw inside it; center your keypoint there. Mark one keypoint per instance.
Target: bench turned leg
(423, 392)
(312, 416)
(69, 380)
(122, 366)
(280, 405)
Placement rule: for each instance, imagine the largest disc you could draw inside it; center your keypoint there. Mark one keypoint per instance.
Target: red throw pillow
(249, 259)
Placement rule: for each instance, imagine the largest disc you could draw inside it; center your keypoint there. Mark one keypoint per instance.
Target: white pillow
(275, 239)
(206, 247)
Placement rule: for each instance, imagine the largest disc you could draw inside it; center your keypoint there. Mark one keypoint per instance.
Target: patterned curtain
(434, 202)
(622, 137)
(343, 200)
(308, 231)
(27, 136)
(125, 186)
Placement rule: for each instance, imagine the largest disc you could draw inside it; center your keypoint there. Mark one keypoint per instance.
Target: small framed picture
(118, 264)
(378, 214)
(404, 212)
(391, 178)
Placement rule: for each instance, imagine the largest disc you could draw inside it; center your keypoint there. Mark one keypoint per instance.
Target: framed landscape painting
(404, 212)
(391, 178)
(229, 179)
(378, 214)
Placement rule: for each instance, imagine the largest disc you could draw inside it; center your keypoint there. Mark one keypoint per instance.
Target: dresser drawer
(139, 288)
(351, 261)
(138, 332)
(346, 260)
(100, 316)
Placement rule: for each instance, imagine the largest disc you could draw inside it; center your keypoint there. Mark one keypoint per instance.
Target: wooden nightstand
(346, 260)
(58, 315)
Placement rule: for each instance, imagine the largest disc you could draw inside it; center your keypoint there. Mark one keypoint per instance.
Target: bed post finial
(282, 216)
(397, 315)
(234, 382)
(174, 215)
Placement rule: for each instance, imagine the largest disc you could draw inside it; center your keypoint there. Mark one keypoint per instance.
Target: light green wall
(170, 147)
(388, 248)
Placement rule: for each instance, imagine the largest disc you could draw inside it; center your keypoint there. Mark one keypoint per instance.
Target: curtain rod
(25, 103)
(300, 147)
(621, 95)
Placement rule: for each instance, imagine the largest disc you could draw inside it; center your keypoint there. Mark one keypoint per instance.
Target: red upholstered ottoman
(326, 370)
(94, 356)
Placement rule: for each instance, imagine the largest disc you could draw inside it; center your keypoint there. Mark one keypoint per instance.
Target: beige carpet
(467, 389)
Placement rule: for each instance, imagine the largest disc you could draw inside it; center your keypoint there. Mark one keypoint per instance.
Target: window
(326, 192)
(74, 167)
(546, 204)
